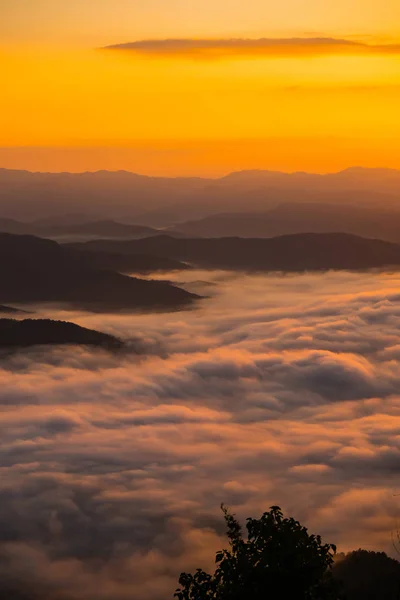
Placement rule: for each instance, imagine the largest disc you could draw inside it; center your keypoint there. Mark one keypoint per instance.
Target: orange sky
(170, 108)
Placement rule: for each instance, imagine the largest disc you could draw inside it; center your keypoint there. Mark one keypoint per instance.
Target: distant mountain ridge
(289, 253)
(125, 263)
(105, 228)
(159, 201)
(291, 218)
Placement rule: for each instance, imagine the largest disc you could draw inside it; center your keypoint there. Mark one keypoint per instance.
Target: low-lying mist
(272, 390)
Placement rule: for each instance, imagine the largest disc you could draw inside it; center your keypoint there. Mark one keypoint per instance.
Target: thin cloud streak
(253, 48)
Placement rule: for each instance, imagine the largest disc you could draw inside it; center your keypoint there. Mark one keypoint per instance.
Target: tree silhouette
(367, 575)
(278, 560)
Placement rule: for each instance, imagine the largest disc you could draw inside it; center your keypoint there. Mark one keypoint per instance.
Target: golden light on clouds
(254, 48)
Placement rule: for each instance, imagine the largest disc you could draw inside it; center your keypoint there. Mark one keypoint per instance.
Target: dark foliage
(368, 576)
(278, 560)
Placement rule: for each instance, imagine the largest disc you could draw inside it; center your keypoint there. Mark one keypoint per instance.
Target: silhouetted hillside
(32, 332)
(285, 253)
(293, 218)
(37, 270)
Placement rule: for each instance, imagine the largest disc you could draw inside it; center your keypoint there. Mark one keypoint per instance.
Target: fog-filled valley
(274, 389)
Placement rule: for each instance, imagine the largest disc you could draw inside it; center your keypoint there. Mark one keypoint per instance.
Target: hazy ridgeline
(161, 202)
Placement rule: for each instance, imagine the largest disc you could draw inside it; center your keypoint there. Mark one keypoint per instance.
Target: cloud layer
(263, 47)
(276, 390)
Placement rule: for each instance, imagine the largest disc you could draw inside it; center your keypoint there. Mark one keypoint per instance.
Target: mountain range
(298, 252)
(161, 202)
(62, 227)
(289, 218)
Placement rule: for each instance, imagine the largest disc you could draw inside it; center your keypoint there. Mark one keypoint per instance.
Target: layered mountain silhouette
(106, 228)
(159, 202)
(297, 252)
(31, 332)
(30, 196)
(55, 228)
(141, 264)
(34, 270)
(292, 218)
(284, 219)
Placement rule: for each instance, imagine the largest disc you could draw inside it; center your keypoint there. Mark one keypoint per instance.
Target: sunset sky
(217, 85)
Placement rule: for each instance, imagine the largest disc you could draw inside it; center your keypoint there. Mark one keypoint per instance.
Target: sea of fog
(272, 390)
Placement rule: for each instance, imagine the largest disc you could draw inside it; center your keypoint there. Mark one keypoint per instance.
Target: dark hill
(105, 230)
(32, 332)
(285, 253)
(37, 270)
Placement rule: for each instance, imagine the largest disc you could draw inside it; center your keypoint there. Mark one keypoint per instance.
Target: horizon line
(229, 173)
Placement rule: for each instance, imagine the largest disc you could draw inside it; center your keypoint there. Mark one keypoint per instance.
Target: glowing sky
(171, 108)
